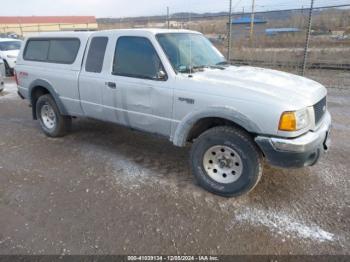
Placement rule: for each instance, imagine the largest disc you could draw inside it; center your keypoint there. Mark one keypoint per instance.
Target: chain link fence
(275, 39)
(279, 39)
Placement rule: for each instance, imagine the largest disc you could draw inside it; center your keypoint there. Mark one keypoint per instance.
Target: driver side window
(136, 57)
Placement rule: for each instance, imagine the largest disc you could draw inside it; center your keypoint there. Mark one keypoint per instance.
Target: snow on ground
(282, 224)
(9, 92)
(130, 174)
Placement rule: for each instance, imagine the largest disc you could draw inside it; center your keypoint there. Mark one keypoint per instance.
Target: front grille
(320, 110)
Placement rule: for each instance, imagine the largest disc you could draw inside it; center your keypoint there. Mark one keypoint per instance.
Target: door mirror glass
(161, 75)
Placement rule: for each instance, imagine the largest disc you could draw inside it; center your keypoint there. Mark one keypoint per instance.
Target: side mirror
(162, 75)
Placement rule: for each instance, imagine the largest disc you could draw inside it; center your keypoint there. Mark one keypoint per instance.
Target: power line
(318, 3)
(174, 17)
(225, 14)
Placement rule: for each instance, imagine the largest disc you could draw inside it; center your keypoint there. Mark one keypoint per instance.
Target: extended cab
(175, 83)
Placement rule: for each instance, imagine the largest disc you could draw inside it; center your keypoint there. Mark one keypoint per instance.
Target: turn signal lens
(288, 122)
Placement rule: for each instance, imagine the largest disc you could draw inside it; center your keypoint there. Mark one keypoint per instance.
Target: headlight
(294, 121)
(11, 56)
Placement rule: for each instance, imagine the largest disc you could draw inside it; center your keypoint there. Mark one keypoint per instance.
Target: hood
(283, 86)
(9, 53)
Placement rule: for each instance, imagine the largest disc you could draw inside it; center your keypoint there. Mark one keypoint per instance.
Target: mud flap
(327, 142)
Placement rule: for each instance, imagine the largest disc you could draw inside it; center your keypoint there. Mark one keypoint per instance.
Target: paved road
(106, 190)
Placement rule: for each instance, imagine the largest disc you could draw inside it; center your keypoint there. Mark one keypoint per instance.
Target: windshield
(188, 51)
(10, 45)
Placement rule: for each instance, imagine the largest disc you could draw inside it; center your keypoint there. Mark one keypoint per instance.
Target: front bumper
(297, 152)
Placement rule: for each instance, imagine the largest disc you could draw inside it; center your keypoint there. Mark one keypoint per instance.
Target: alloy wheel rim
(48, 116)
(223, 164)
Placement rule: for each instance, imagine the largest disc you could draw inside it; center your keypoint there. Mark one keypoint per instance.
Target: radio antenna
(189, 24)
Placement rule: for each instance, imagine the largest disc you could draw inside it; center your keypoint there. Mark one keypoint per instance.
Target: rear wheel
(226, 161)
(52, 122)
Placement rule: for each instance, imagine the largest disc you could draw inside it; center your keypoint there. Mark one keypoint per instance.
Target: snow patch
(282, 224)
(124, 170)
(130, 172)
(9, 92)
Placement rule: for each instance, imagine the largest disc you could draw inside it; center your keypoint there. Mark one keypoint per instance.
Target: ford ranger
(176, 84)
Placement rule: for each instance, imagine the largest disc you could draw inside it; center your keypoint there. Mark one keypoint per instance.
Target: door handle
(111, 85)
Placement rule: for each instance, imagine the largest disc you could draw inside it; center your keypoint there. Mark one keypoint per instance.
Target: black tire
(62, 123)
(233, 139)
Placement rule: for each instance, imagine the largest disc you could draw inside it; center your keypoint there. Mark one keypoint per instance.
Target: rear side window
(61, 51)
(97, 50)
(37, 50)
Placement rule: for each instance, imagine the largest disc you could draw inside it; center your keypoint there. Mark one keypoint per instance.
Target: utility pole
(229, 33)
(252, 18)
(307, 38)
(168, 16)
(21, 29)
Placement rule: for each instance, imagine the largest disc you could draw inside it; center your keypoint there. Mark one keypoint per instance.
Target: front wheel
(226, 161)
(52, 122)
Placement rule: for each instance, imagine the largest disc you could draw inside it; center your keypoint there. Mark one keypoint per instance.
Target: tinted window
(63, 51)
(94, 61)
(37, 50)
(136, 57)
(10, 45)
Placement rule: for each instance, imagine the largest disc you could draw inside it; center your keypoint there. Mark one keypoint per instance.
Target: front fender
(184, 128)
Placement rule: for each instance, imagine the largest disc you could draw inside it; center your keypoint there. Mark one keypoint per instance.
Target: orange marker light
(288, 122)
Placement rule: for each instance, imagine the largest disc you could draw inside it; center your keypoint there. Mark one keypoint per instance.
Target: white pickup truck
(175, 83)
(9, 49)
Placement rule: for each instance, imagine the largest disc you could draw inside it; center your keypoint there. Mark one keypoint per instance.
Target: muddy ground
(106, 190)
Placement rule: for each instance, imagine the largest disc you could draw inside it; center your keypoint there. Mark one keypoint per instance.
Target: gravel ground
(106, 190)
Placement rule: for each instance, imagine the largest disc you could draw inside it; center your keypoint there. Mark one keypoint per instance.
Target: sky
(126, 8)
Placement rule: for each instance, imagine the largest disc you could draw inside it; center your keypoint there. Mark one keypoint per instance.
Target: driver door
(140, 95)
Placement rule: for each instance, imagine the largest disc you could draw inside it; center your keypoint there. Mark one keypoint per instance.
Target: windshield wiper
(217, 67)
(209, 66)
(199, 68)
(223, 63)
(192, 69)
